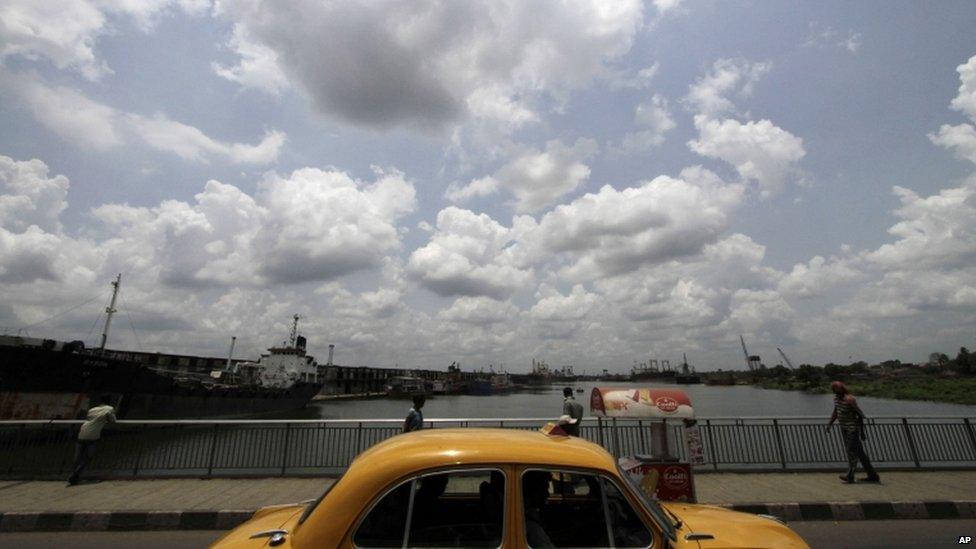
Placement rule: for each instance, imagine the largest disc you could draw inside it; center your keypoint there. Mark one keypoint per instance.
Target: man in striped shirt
(851, 420)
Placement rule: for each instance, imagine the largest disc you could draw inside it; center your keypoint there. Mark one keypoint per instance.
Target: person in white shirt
(88, 436)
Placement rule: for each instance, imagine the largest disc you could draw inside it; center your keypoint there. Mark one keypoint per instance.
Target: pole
(110, 310)
(230, 354)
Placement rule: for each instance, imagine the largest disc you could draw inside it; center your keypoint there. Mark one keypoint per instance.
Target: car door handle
(277, 537)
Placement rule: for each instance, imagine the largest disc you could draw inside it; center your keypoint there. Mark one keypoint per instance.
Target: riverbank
(960, 390)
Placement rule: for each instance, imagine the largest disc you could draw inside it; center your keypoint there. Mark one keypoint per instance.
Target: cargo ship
(646, 371)
(50, 379)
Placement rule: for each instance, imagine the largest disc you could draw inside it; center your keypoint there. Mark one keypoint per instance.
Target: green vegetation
(956, 390)
(941, 379)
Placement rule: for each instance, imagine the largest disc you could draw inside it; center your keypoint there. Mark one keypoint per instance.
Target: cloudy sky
(588, 183)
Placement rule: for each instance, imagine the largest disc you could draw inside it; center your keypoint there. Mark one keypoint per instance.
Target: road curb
(860, 510)
(97, 521)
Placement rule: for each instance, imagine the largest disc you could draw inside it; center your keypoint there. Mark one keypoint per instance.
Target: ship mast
(294, 332)
(110, 310)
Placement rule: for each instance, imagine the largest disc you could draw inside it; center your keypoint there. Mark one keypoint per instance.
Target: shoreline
(961, 390)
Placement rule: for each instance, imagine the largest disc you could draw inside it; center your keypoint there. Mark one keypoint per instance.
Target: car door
(558, 507)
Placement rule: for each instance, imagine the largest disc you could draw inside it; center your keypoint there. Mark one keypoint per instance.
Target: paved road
(886, 534)
(861, 534)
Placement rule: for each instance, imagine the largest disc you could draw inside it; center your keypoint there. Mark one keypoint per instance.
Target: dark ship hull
(56, 380)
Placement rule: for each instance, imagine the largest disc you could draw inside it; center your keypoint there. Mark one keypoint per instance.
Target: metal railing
(45, 449)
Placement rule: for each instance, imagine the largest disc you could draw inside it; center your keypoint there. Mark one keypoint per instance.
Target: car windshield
(312, 505)
(651, 505)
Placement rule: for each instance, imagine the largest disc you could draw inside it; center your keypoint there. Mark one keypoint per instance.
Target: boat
(540, 375)
(406, 387)
(501, 383)
(650, 371)
(51, 379)
(687, 375)
(480, 387)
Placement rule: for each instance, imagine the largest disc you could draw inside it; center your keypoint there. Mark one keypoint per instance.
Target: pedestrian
(89, 435)
(851, 419)
(572, 409)
(415, 417)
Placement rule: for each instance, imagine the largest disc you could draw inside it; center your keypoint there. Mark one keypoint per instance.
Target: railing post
(19, 441)
(599, 425)
(135, 466)
(911, 441)
(284, 451)
(640, 433)
(972, 436)
(779, 443)
(711, 445)
(616, 441)
(359, 438)
(213, 450)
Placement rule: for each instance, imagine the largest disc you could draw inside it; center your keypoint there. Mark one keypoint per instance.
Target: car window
(446, 509)
(564, 509)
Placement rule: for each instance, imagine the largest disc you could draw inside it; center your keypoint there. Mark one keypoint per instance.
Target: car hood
(732, 528)
(276, 517)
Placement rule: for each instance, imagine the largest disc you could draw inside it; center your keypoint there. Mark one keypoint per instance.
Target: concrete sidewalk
(222, 503)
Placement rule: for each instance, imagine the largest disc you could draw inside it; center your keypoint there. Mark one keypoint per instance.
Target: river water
(709, 401)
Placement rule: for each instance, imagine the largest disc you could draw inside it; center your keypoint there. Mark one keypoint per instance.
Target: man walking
(851, 420)
(572, 409)
(89, 435)
(415, 417)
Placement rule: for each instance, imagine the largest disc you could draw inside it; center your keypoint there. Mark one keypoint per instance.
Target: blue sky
(585, 183)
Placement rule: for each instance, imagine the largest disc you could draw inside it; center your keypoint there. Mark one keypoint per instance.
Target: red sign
(663, 481)
(675, 478)
(666, 404)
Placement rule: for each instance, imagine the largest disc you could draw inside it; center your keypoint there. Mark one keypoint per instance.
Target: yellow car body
(333, 520)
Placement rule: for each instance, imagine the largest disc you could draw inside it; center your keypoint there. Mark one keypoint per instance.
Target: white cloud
(819, 276)
(709, 94)
(480, 311)
(189, 143)
(484, 186)
(960, 139)
(69, 113)
(430, 64)
(322, 225)
(826, 37)
(965, 100)
(664, 6)
(536, 178)
(469, 255)
(554, 306)
(759, 151)
(89, 124)
(65, 32)
(258, 66)
(655, 116)
(29, 197)
(937, 232)
(611, 232)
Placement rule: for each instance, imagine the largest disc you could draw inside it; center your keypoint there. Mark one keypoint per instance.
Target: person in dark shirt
(851, 419)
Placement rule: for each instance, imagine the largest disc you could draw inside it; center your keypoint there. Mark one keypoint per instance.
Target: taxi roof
(434, 448)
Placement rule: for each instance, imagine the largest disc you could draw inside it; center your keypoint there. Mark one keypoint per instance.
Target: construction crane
(786, 358)
(753, 362)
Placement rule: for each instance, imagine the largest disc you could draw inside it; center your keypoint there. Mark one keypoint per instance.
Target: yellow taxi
(496, 488)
